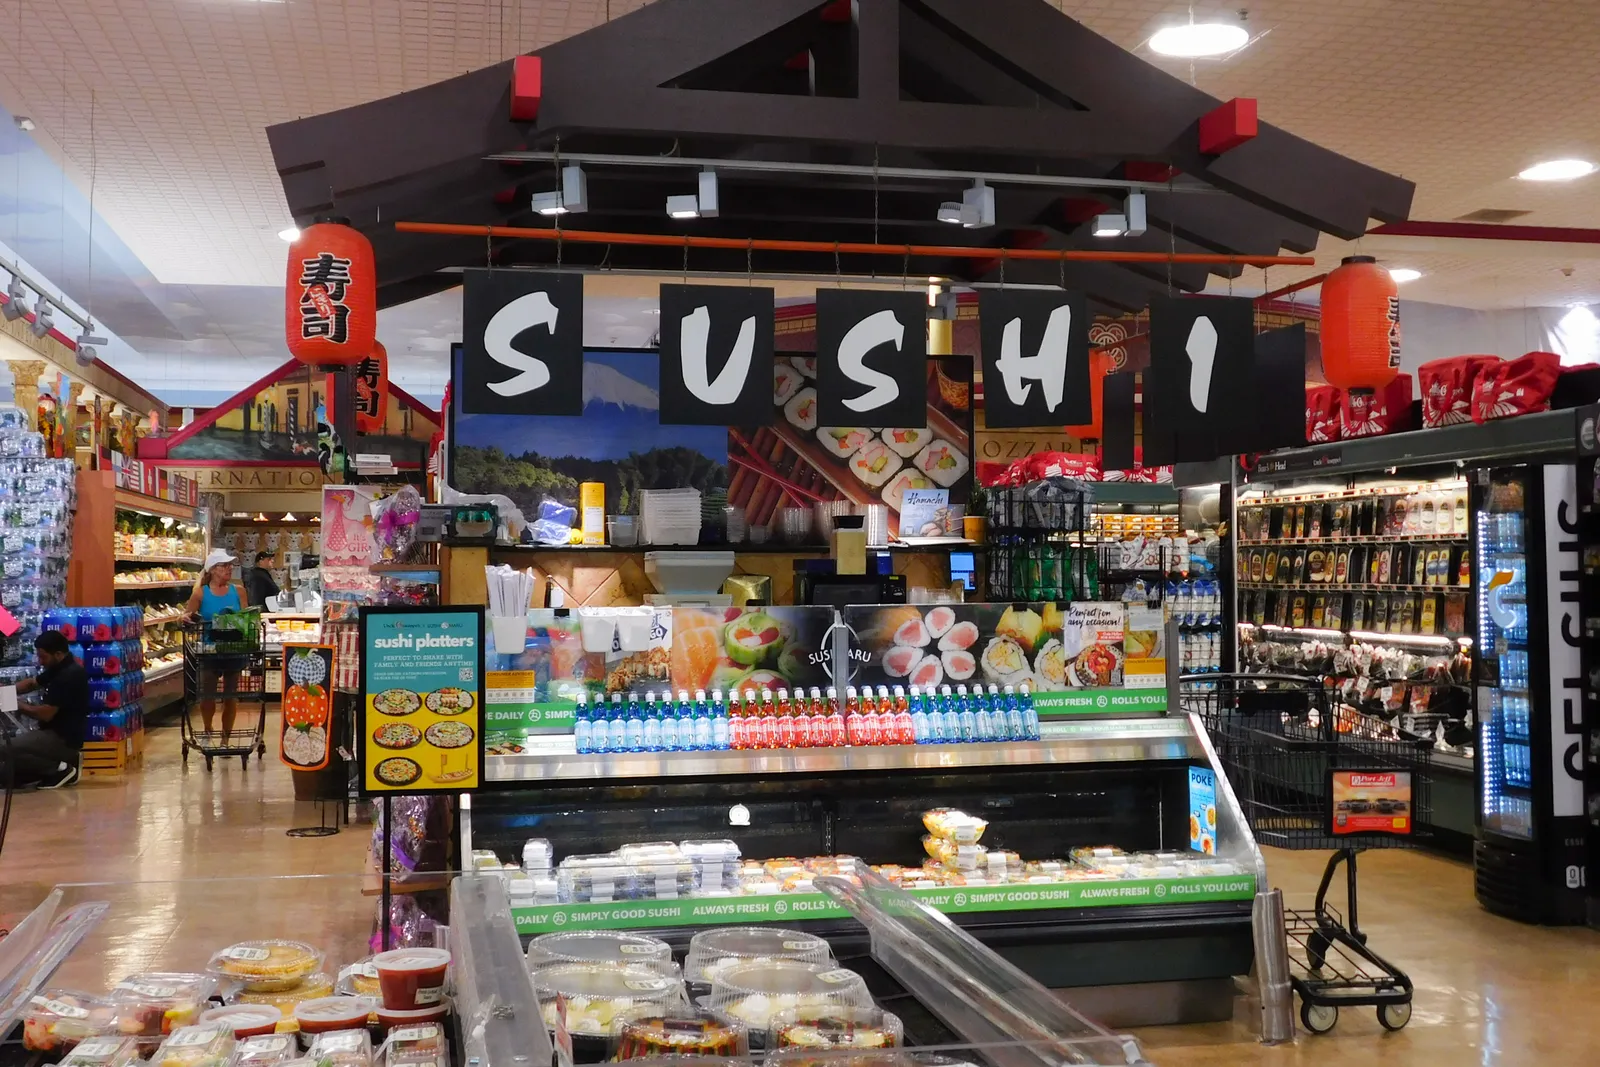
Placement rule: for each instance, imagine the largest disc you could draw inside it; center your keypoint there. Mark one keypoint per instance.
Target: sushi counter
(1106, 858)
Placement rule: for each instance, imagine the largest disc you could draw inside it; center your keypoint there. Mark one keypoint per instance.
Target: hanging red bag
(1515, 386)
(1446, 386)
(1322, 414)
(1372, 414)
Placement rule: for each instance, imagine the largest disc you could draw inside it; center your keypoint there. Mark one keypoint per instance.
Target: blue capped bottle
(1030, 717)
(966, 717)
(721, 728)
(983, 720)
(949, 714)
(696, 732)
(652, 723)
(634, 726)
(582, 729)
(616, 728)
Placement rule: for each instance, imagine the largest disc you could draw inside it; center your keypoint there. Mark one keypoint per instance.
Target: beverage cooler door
(1505, 748)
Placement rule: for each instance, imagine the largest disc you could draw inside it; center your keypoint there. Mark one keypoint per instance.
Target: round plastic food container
(598, 995)
(246, 1020)
(326, 1014)
(312, 988)
(411, 978)
(359, 979)
(710, 951)
(433, 1013)
(266, 966)
(600, 946)
(750, 993)
(834, 1028)
(677, 1035)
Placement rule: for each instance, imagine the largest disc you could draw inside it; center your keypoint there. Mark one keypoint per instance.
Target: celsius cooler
(1529, 856)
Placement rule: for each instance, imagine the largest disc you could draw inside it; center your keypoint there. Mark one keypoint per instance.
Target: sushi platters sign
(1071, 657)
(422, 696)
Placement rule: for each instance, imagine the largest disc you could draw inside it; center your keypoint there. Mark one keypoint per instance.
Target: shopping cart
(1310, 774)
(221, 665)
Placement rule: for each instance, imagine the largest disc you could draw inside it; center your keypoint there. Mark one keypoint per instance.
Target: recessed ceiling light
(1401, 275)
(24, 123)
(290, 234)
(1557, 170)
(1194, 40)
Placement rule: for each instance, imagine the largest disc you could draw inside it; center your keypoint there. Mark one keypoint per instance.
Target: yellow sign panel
(422, 693)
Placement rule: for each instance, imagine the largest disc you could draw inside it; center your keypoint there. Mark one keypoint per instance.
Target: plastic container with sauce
(328, 1014)
(410, 978)
(266, 1050)
(246, 1020)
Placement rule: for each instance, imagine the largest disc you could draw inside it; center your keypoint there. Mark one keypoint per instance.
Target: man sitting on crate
(48, 757)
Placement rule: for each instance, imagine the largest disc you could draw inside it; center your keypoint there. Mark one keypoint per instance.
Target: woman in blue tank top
(214, 594)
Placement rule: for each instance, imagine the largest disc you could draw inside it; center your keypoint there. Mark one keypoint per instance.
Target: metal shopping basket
(223, 664)
(1310, 773)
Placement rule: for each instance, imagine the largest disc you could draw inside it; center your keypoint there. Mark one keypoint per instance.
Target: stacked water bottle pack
(745, 719)
(106, 641)
(36, 503)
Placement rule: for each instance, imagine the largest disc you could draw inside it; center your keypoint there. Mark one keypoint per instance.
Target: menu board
(422, 697)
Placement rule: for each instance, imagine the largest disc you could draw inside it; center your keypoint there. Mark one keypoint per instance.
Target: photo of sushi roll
(875, 464)
(958, 664)
(806, 365)
(1050, 665)
(913, 633)
(907, 441)
(785, 380)
(802, 409)
(901, 660)
(907, 478)
(960, 637)
(843, 441)
(943, 462)
(928, 672)
(1003, 661)
(940, 620)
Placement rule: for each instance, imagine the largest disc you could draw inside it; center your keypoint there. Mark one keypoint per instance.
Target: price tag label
(246, 953)
(837, 976)
(61, 1008)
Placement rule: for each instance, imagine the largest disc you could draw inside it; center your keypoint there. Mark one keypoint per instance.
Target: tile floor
(200, 845)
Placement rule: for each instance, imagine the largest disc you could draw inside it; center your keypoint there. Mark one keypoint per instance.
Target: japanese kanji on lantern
(330, 296)
(370, 378)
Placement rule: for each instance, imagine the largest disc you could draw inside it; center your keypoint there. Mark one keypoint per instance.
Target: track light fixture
(975, 210)
(702, 204)
(43, 317)
(571, 199)
(16, 300)
(1130, 223)
(87, 347)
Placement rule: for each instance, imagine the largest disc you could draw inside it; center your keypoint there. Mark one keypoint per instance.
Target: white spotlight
(701, 204)
(1196, 40)
(976, 209)
(1130, 222)
(25, 124)
(16, 300)
(43, 317)
(86, 348)
(571, 199)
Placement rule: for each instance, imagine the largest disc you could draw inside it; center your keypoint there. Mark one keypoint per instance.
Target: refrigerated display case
(1529, 856)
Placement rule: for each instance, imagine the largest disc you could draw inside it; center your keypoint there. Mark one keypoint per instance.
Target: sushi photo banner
(307, 706)
(872, 358)
(422, 698)
(522, 343)
(1035, 358)
(716, 355)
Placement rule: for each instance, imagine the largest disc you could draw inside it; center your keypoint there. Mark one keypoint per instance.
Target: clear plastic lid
(712, 951)
(310, 988)
(266, 1050)
(848, 1057)
(599, 995)
(359, 979)
(957, 857)
(105, 1050)
(682, 1033)
(602, 877)
(159, 1002)
(751, 992)
(244, 1019)
(333, 1013)
(716, 863)
(650, 851)
(206, 1045)
(834, 1028)
(612, 947)
(414, 1043)
(60, 1018)
(342, 1048)
(537, 855)
(952, 824)
(266, 966)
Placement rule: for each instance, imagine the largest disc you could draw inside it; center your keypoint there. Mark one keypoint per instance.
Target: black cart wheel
(1318, 1018)
(1316, 951)
(186, 755)
(208, 763)
(244, 761)
(1394, 1016)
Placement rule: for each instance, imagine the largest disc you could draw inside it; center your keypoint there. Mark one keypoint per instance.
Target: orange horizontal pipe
(751, 244)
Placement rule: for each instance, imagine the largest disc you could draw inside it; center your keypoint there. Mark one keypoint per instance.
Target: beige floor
(198, 848)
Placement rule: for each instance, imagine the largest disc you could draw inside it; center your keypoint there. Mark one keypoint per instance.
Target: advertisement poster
(347, 548)
(597, 653)
(422, 699)
(307, 706)
(1144, 645)
(1203, 810)
(1070, 657)
(1371, 802)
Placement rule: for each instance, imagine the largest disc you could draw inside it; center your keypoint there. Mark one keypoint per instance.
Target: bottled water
(582, 732)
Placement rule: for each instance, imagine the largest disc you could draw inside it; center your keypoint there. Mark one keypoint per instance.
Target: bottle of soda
(786, 731)
(997, 715)
(1014, 721)
(838, 735)
(652, 722)
(949, 714)
(737, 738)
(634, 727)
(905, 728)
(980, 710)
(617, 726)
(919, 718)
(802, 719)
(752, 721)
(770, 734)
(852, 715)
(702, 723)
(965, 716)
(1030, 717)
(582, 729)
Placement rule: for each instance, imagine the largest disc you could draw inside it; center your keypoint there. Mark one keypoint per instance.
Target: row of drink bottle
(780, 720)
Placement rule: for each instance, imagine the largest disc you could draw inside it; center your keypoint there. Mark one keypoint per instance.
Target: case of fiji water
(37, 498)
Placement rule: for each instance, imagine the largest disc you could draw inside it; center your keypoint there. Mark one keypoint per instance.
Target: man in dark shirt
(48, 756)
(260, 584)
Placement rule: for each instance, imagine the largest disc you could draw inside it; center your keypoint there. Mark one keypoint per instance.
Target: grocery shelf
(151, 585)
(1352, 587)
(162, 620)
(124, 557)
(1108, 740)
(1365, 539)
(166, 670)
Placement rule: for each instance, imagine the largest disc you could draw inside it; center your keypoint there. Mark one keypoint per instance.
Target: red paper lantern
(331, 296)
(370, 380)
(1100, 360)
(1360, 326)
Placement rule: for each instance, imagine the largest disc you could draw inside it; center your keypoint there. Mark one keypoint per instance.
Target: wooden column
(25, 374)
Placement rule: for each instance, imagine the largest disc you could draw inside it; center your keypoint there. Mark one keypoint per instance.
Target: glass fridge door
(1505, 766)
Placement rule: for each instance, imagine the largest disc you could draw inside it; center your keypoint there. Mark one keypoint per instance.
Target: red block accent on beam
(1141, 170)
(1490, 231)
(838, 11)
(527, 88)
(1228, 126)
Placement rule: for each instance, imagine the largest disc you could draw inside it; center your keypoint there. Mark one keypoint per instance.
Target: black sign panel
(1278, 393)
(872, 358)
(716, 355)
(1035, 358)
(1201, 350)
(1116, 422)
(522, 343)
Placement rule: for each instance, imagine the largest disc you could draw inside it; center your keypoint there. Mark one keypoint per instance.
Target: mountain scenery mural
(617, 440)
